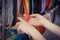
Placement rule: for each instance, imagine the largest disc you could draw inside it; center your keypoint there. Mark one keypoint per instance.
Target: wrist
(46, 23)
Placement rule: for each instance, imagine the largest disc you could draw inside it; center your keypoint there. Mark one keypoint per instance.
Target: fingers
(33, 15)
(20, 19)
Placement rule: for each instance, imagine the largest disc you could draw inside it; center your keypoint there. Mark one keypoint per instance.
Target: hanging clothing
(47, 7)
(43, 5)
(14, 12)
(26, 16)
(37, 6)
(9, 10)
(53, 4)
(30, 6)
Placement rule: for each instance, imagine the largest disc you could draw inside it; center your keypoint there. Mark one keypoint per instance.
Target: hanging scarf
(26, 10)
(27, 16)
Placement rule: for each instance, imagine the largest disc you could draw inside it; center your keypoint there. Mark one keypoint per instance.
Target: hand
(28, 29)
(37, 20)
(22, 25)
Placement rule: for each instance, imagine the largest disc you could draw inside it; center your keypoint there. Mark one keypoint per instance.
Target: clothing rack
(16, 10)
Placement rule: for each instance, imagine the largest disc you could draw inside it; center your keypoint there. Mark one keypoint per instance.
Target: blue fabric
(13, 30)
(19, 37)
(13, 35)
(24, 36)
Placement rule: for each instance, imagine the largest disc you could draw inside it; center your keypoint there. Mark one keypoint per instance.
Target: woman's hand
(28, 29)
(22, 25)
(37, 20)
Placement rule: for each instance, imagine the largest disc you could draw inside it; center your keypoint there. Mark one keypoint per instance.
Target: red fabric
(41, 29)
(48, 1)
(26, 17)
(26, 11)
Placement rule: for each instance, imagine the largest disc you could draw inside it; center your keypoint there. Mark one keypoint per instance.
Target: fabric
(47, 6)
(24, 36)
(13, 35)
(26, 10)
(18, 7)
(37, 6)
(14, 12)
(30, 6)
(9, 14)
(52, 4)
(43, 5)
